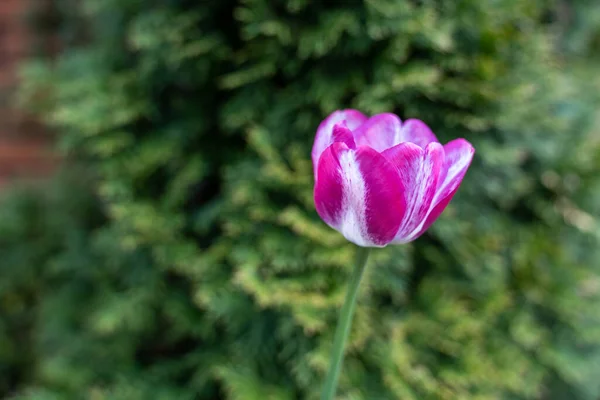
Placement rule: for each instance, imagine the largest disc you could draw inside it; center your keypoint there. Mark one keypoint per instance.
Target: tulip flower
(381, 181)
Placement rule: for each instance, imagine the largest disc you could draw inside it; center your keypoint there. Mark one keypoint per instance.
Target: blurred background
(158, 238)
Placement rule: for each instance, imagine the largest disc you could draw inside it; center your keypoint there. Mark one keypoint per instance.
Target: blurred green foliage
(192, 264)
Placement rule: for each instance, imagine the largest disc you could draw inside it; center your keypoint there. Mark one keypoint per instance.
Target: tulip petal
(379, 132)
(417, 132)
(324, 137)
(341, 133)
(419, 172)
(458, 156)
(329, 191)
(359, 193)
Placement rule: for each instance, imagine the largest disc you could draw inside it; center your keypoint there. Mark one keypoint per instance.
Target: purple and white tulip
(379, 180)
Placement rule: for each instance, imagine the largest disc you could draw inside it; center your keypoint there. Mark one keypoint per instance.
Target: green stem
(344, 323)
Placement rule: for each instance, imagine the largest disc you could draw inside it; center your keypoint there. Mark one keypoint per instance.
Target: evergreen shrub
(212, 276)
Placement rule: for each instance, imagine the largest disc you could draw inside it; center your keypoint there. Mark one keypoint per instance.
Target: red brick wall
(25, 149)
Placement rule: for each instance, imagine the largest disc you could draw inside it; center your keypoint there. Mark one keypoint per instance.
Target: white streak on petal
(353, 222)
(423, 172)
